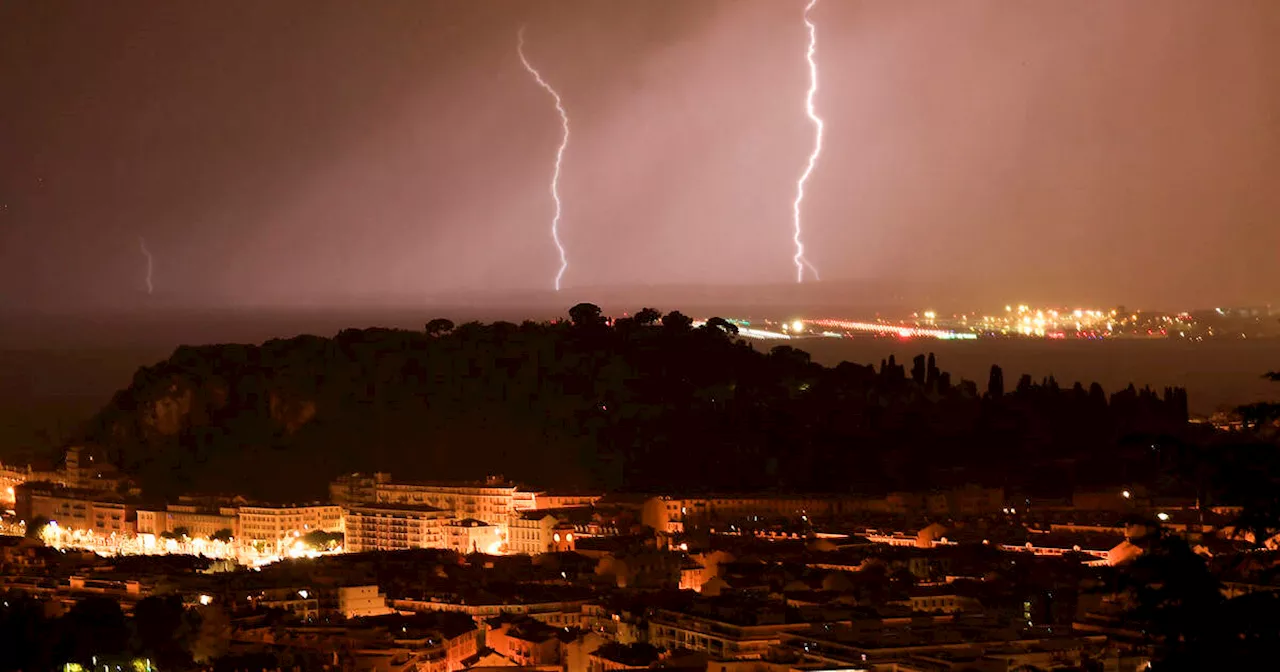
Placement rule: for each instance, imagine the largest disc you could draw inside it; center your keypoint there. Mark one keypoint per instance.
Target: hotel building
(266, 525)
(395, 527)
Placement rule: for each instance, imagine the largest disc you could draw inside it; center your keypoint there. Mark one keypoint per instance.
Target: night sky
(286, 153)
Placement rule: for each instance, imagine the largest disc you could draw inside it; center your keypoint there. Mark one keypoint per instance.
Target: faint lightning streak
(801, 261)
(564, 142)
(142, 245)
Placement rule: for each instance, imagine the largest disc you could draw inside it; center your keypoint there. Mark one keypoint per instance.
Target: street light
(1126, 494)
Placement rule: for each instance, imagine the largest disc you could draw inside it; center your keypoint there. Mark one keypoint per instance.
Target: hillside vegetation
(642, 402)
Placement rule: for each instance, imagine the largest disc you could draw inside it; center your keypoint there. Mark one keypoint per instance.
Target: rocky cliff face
(201, 406)
(168, 414)
(290, 413)
(161, 411)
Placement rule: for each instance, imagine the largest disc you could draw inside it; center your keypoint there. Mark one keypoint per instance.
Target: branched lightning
(142, 245)
(801, 261)
(564, 142)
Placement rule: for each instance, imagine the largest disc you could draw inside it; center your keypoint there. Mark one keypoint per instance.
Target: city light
(1162, 516)
(884, 329)
(762, 334)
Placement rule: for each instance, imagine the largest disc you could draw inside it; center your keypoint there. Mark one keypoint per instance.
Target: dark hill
(589, 404)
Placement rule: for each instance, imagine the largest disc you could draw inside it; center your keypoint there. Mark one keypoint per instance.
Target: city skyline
(639, 336)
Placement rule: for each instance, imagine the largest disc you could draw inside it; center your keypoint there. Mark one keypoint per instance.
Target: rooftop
(392, 508)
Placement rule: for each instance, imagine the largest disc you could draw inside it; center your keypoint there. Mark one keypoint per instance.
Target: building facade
(197, 521)
(361, 601)
(491, 502)
(395, 527)
(75, 509)
(271, 525)
(475, 536)
(12, 475)
(534, 532)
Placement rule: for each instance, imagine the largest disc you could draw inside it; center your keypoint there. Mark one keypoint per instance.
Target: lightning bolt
(142, 245)
(564, 142)
(801, 261)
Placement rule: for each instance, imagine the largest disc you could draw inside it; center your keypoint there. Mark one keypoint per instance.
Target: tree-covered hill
(641, 402)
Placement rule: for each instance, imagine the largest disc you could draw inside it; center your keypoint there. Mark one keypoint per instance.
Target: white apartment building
(534, 532)
(75, 508)
(491, 502)
(395, 527)
(359, 601)
(272, 525)
(475, 536)
(196, 520)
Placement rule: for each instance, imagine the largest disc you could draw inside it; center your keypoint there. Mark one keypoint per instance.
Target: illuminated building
(198, 521)
(268, 525)
(475, 536)
(534, 532)
(361, 601)
(554, 500)
(491, 501)
(395, 527)
(11, 476)
(524, 641)
(75, 509)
